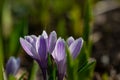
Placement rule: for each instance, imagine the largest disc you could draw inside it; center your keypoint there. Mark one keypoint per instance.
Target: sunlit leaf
(87, 65)
(70, 73)
(33, 73)
(11, 77)
(86, 71)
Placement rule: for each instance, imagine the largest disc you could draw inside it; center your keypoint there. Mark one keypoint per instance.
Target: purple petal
(70, 40)
(31, 39)
(34, 38)
(59, 56)
(12, 66)
(27, 47)
(52, 41)
(59, 51)
(75, 47)
(45, 34)
(61, 68)
(41, 48)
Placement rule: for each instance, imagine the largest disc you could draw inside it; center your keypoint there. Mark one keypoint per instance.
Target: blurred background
(97, 21)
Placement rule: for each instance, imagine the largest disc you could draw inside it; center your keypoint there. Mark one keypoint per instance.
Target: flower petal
(59, 51)
(44, 34)
(27, 47)
(75, 47)
(12, 66)
(31, 39)
(52, 41)
(41, 47)
(70, 40)
(59, 56)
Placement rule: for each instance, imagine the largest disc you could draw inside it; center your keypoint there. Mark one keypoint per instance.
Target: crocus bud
(12, 66)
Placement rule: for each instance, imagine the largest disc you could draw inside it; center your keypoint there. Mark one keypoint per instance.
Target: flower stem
(44, 72)
(60, 76)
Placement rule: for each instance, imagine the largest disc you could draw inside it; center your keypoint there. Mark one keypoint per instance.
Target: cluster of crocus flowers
(39, 47)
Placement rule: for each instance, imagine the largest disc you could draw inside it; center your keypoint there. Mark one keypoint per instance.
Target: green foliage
(87, 69)
(19, 30)
(83, 70)
(51, 69)
(33, 72)
(70, 66)
(87, 20)
(1, 55)
(11, 77)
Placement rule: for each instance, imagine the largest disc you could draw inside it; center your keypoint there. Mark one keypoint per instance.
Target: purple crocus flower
(74, 46)
(51, 40)
(59, 55)
(38, 47)
(12, 66)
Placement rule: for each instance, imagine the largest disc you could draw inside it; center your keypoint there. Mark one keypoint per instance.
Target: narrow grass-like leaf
(90, 63)
(1, 55)
(87, 19)
(86, 72)
(34, 71)
(1, 43)
(82, 57)
(3, 75)
(70, 73)
(11, 77)
(51, 69)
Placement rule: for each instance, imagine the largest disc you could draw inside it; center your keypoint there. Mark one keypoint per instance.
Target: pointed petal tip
(44, 34)
(70, 40)
(52, 41)
(81, 40)
(75, 47)
(59, 51)
(53, 32)
(21, 40)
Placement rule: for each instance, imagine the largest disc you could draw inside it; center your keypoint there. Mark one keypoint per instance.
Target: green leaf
(1, 56)
(11, 77)
(1, 50)
(87, 65)
(2, 75)
(52, 69)
(87, 20)
(86, 71)
(83, 57)
(70, 67)
(34, 71)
